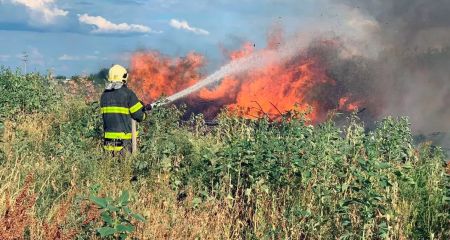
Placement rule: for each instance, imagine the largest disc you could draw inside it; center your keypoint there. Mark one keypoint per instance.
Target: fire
(346, 105)
(302, 83)
(271, 91)
(154, 75)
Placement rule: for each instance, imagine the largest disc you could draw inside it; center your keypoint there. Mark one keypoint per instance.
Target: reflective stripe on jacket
(118, 107)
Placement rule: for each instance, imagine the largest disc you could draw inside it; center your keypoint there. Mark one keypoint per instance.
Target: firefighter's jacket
(118, 107)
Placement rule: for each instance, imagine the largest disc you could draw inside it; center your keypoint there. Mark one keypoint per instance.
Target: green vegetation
(115, 215)
(242, 179)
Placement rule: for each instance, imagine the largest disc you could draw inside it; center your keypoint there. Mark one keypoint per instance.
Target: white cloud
(46, 10)
(185, 26)
(101, 25)
(4, 58)
(67, 57)
(167, 3)
(91, 57)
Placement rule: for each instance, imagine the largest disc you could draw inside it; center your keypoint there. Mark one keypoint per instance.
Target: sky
(74, 37)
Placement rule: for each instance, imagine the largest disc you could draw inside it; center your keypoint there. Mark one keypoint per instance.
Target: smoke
(408, 24)
(412, 63)
(407, 44)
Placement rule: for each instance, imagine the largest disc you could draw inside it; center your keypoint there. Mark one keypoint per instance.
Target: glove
(148, 107)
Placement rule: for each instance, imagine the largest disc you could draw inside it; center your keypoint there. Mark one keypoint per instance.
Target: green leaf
(123, 199)
(106, 231)
(127, 210)
(138, 217)
(383, 165)
(112, 208)
(398, 173)
(106, 217)
(94, 188)
(306, 175)
(125, 228)
(196, 201)
(445, 199)
(346, 222)
(344, 187)
(101, 202)
(303, 213)
(385, 183)
(123, 236)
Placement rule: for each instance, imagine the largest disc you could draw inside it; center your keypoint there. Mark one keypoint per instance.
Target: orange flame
(270, 91)
(345, 105)
(154, 75)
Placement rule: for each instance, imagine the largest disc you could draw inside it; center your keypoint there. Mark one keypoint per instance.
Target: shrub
(26, 93)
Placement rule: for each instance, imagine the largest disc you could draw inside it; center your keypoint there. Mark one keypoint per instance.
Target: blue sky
(72, 37)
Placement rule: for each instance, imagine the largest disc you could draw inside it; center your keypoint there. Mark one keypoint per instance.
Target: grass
(240, 180)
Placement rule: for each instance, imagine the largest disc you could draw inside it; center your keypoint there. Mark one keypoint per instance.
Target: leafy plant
(116, 216)
(26, 93)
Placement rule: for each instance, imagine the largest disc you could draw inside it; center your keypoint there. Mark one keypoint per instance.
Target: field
(242, 179)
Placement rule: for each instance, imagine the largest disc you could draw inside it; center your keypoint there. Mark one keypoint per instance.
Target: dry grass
(169, 218)
(53, 228)
(17, 217)
(60, 216)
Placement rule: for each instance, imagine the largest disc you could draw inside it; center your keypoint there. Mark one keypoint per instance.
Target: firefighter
(119, 105)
